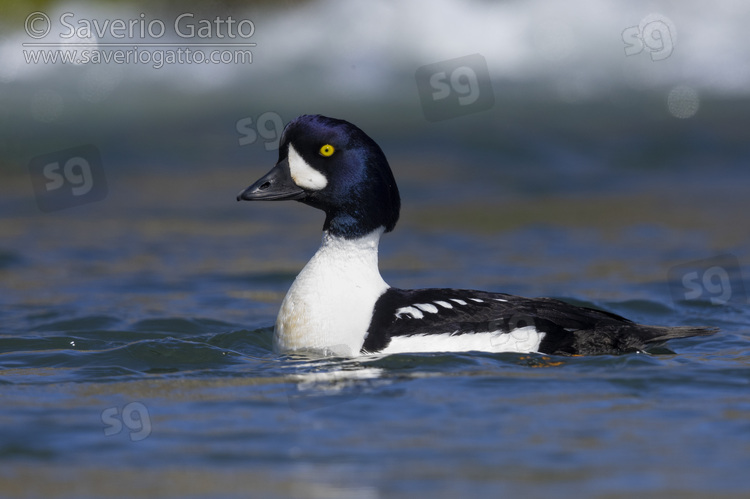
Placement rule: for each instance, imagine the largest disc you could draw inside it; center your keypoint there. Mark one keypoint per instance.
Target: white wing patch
(303, 174)
(414, 312)
(427, 307)
(521, 340)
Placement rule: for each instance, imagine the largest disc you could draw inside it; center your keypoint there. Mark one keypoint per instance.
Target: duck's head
(334, 166)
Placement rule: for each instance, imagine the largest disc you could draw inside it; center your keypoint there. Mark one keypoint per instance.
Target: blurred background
(618, 116)
(595, 151)
(579, 93)
(581, 103)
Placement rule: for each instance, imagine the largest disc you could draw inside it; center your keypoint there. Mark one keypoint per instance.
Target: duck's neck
(329, 306)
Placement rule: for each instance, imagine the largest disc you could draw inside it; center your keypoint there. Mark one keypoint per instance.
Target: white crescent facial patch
(303, 174)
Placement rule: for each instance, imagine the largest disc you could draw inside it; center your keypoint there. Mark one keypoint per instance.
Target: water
(136, 355)
(136, 329)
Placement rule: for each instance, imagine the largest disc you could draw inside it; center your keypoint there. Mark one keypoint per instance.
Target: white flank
(303, 174)
(444, 304)
(521, 340)
(330, 303)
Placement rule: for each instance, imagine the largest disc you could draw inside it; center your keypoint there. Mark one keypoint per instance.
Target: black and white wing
(462, 320)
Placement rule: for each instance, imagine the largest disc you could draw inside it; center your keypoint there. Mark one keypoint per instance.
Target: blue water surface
(136, 355)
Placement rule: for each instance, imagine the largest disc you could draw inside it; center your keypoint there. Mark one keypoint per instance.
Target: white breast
(329, 306)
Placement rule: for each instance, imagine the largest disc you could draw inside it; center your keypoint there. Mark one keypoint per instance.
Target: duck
(339, 304)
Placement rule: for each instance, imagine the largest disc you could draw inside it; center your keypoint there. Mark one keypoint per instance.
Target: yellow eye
(327, 150)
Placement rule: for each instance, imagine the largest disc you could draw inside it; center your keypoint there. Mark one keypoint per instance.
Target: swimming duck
(340, 305)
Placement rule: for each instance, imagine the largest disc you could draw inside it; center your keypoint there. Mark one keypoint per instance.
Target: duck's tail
(623, 338)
